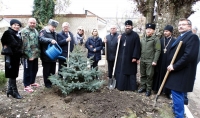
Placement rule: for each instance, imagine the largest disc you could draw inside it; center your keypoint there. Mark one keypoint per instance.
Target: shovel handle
(116, 57)
(68, 51)
(172, 62)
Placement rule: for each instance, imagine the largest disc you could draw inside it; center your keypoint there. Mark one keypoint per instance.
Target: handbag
(6, 51)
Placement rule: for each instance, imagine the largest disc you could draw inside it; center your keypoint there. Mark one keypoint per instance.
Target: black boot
(14, 88)
(9, 91)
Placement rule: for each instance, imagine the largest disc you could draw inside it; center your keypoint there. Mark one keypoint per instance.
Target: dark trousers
(178, 103)
(110, 68)
(61, 63)
(30, 71)
(48, 69)
(95, 64)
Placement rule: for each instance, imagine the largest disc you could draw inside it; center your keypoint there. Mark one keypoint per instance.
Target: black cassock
(161, 68)
(126, 70)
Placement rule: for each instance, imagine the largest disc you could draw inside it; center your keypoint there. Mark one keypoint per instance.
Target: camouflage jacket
(30, 38)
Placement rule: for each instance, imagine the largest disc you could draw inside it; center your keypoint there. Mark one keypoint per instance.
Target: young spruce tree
(77, 75)
(43, 10)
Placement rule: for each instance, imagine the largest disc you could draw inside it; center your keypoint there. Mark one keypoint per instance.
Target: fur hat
(129, 22)
(151, 25)
(169, 28)
(53, 22)
(13, 21)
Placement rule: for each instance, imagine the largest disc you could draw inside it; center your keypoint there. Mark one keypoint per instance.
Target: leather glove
(7, 62)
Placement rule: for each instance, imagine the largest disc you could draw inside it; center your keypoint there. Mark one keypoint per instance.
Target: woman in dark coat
(12, 39)
(94, 46)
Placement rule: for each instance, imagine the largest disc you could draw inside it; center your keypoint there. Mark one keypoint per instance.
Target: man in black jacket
(183, 71)
(47, 36)
(64, 37)
(111, 41)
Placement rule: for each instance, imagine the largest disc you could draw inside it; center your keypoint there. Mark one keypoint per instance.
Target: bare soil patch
(105, 103)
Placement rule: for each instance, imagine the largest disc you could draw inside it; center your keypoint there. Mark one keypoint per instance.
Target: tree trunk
(168, 12)
(149, 14)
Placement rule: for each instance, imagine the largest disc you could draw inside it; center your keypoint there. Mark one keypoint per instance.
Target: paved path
(194, 97)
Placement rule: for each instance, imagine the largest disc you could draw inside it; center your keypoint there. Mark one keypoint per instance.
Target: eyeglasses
(182, 24)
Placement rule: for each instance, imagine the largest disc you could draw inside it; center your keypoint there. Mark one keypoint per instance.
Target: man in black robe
(129, 53)
(161, 68)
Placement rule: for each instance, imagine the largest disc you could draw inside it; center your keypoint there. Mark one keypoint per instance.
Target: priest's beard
(128, 30)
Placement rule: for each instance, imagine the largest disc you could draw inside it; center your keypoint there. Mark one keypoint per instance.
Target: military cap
(129, 22)
(150, 25)
(53, 22)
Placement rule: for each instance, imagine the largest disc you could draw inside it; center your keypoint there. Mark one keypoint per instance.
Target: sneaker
(35, 85)
(28, 89)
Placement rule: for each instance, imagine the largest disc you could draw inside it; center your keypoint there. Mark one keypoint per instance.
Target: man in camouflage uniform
(31, 53)
(150, 52)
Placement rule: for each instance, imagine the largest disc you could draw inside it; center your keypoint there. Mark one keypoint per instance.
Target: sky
(102, 8)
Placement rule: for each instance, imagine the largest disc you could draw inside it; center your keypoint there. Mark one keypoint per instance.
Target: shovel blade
(112, 86)
(109, 82)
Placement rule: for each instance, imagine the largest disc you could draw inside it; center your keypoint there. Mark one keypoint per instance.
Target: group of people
(153, 54)
(27, 45)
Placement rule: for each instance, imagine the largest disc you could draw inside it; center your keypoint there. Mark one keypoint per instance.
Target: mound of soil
(105, 103)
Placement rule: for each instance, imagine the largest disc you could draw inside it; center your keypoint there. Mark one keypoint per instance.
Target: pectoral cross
(165, 50)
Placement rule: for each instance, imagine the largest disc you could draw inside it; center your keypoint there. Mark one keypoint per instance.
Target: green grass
(3, 79)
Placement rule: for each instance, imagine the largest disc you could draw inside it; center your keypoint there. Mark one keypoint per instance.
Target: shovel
(112, 81)
(68, 51)
(167, 73)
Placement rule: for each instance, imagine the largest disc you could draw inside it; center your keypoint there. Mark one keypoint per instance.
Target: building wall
(88, 23)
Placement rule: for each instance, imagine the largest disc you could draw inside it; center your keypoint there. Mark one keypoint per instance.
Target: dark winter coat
(46, 36)
(64, 44)
(161, 67)
(11, 39)
(129, 49)
(112, 41)
(183, 76)
(96, 43)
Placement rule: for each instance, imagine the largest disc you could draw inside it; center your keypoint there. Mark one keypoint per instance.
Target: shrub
(77, 75)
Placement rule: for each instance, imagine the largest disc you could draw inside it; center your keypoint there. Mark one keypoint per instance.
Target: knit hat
(129, 22)
(13, 21)
(169, 28)
(150, 25)
(53, 22)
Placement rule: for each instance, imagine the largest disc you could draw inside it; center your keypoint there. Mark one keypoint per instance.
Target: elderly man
(111, 40)
(129, 53)
(64, 37)
(150, 45)
(47, 36)
(183, 71)
(31, 54)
